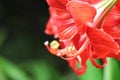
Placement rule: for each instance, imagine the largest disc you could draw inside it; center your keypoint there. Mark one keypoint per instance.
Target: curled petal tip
(58, 54)
(46, 42)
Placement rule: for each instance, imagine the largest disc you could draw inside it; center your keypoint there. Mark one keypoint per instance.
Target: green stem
(92, 73)
(112, 70)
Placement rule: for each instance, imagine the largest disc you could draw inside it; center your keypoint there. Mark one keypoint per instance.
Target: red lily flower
(86, 30)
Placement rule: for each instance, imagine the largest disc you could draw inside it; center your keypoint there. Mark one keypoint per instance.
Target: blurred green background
(23, 55)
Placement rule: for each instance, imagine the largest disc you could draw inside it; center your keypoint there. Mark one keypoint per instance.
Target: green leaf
(92, 73)
(69, 76)
(112, 69)
(2, 76)
(41, 70)
(11, 71)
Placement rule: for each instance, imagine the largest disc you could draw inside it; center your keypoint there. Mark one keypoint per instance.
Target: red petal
(92, 1)
(51, 27)
(95, 1)
(82, 62)
(118, 41)
(113, 17)
(99, 37)
(67, 32)
(114, 56)
(81, 11)
(79, 41)
(98, 65)
(57, 3)
(112, 23)
(100, 51)
(78, 71)
(57, 17)
(118, 3)
(114, 31)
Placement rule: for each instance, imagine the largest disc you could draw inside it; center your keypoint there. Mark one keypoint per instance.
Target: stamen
(54, 44)
(74, 53)
(83, 47)
(70, 49)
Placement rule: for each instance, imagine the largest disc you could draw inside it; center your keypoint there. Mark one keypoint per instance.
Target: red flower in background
(86, 29)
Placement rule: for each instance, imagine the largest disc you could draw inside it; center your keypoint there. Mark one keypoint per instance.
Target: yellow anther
(54, 44)
(70, 49)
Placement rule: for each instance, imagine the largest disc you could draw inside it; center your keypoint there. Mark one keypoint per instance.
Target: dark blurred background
(23, 55)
